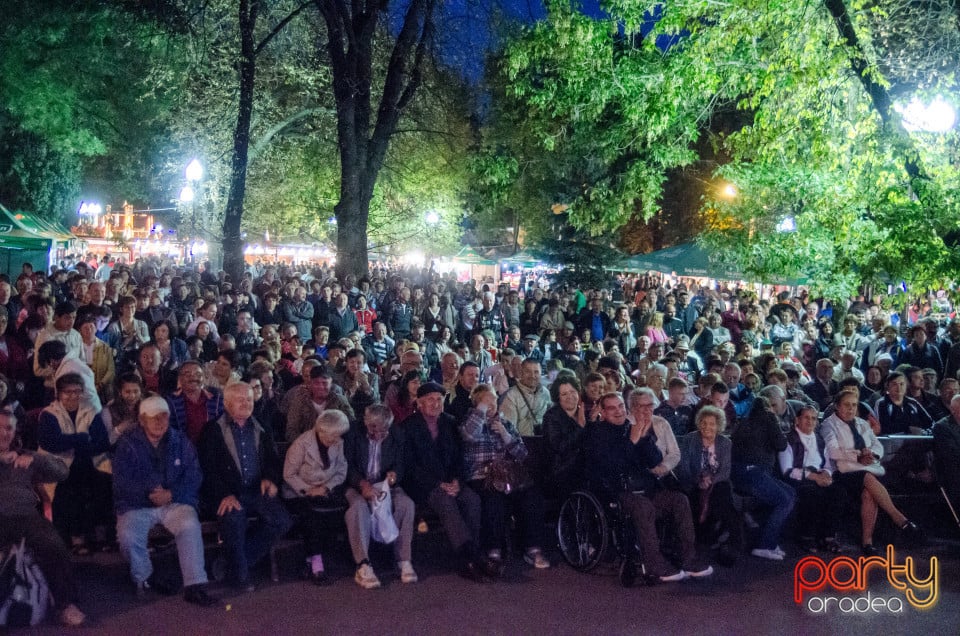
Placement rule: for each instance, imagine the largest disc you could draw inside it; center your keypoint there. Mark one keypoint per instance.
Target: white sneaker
(534, 556)
(773, 555)
(700, 573)
(366, 578)
(780, 551)
(679, 575)
(407, 573)
(494, 554)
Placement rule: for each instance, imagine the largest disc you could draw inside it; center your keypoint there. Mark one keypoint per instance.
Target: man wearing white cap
(156, 480)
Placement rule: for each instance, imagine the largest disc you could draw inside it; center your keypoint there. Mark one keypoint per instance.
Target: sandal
(830, 545)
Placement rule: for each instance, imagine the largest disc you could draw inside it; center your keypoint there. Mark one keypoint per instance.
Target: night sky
(467, 37)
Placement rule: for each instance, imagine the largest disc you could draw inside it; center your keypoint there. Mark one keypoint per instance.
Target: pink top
(657, 334)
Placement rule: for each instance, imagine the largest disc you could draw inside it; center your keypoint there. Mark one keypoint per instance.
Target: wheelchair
(589, 531)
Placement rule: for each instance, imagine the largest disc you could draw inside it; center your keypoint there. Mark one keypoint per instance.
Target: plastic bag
(24, 596)
(383, 528)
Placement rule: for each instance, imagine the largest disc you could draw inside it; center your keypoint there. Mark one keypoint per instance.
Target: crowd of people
(160, 395)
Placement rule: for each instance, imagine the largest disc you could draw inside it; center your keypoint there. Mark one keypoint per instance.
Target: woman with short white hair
(314, 472)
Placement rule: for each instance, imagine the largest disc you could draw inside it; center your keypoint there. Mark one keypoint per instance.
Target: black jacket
(430, 461)
(221, 473)
(565, 443)
(614, 463)
(356, 448)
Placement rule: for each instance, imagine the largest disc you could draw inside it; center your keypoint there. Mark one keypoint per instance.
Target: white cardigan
(302, 468)
(841, 449)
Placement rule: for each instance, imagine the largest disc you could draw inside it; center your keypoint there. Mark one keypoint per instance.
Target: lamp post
(193, 173)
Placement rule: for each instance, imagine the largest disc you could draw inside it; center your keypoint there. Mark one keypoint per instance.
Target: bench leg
(274, 563)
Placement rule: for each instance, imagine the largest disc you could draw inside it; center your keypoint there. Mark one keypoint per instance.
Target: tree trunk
(232, 241)
(363, 138)
(352, 238)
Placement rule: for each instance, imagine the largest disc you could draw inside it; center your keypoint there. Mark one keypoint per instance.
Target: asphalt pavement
(753, 597)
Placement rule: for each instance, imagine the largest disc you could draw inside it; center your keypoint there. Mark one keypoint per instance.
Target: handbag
(383, 527)
(506, 475)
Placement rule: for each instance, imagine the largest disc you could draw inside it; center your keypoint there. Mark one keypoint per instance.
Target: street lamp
(432, 217)
(194, 171)
(188, 194)
(938, 116)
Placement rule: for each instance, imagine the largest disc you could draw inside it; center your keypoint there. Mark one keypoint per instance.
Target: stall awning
(690, 259)
(28, 229)
(469, 256)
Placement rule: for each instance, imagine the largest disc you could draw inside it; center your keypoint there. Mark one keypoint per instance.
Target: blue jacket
(134, 476)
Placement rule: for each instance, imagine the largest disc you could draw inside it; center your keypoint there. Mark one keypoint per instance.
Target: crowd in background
(160, 394)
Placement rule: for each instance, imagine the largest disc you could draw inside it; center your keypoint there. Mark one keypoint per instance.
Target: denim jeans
(181, 520)
(760, 483)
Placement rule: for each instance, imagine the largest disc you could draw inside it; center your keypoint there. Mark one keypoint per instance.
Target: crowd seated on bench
(291, 396)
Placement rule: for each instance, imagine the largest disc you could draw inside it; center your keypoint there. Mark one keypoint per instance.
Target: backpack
(24, 596)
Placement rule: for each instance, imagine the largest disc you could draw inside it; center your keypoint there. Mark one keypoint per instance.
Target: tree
(251, 46)
(77, 101)
(821, 143)
(363, 129)
(583, 260)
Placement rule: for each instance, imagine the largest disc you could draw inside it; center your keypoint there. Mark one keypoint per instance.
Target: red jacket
(365, 318)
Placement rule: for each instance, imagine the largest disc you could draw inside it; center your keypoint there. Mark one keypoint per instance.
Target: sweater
(758, 439)
(18, 497)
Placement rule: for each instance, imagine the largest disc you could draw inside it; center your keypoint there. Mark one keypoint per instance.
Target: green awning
(521, 259)
(690, 259)
(470, 256)
(26, 226)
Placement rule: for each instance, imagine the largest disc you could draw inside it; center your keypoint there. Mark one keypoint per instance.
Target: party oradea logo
(840, 585)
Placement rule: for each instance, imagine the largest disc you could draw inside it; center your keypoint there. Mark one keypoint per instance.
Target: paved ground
(754, 597)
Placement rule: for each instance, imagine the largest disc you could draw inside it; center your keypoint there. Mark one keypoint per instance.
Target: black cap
(430, 387)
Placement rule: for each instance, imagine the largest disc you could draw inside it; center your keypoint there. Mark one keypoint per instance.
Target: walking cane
(943, 491)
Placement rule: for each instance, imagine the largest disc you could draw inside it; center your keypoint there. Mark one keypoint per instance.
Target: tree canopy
(625, 99)
(81, 104)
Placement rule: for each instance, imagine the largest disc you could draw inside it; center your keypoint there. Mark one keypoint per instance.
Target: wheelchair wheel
(582, 531)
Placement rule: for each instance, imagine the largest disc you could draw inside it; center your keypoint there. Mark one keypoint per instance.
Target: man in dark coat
(241, 474)
(435, 476)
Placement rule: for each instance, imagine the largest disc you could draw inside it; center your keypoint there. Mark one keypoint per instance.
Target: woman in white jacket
(856, 451)
(314, 472)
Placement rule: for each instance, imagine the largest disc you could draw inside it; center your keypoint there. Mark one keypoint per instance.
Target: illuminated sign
(844, 574)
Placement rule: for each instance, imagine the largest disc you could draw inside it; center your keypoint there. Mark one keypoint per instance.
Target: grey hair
(332, 422)
(636, 393)
(772, 390)
(659, 369)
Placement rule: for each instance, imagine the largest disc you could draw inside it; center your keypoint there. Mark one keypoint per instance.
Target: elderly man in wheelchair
(619, 456)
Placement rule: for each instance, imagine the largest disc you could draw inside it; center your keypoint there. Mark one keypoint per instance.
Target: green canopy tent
(26, 238)
(691, 260)
(521, 259)
(474, 265)
(470, 256)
